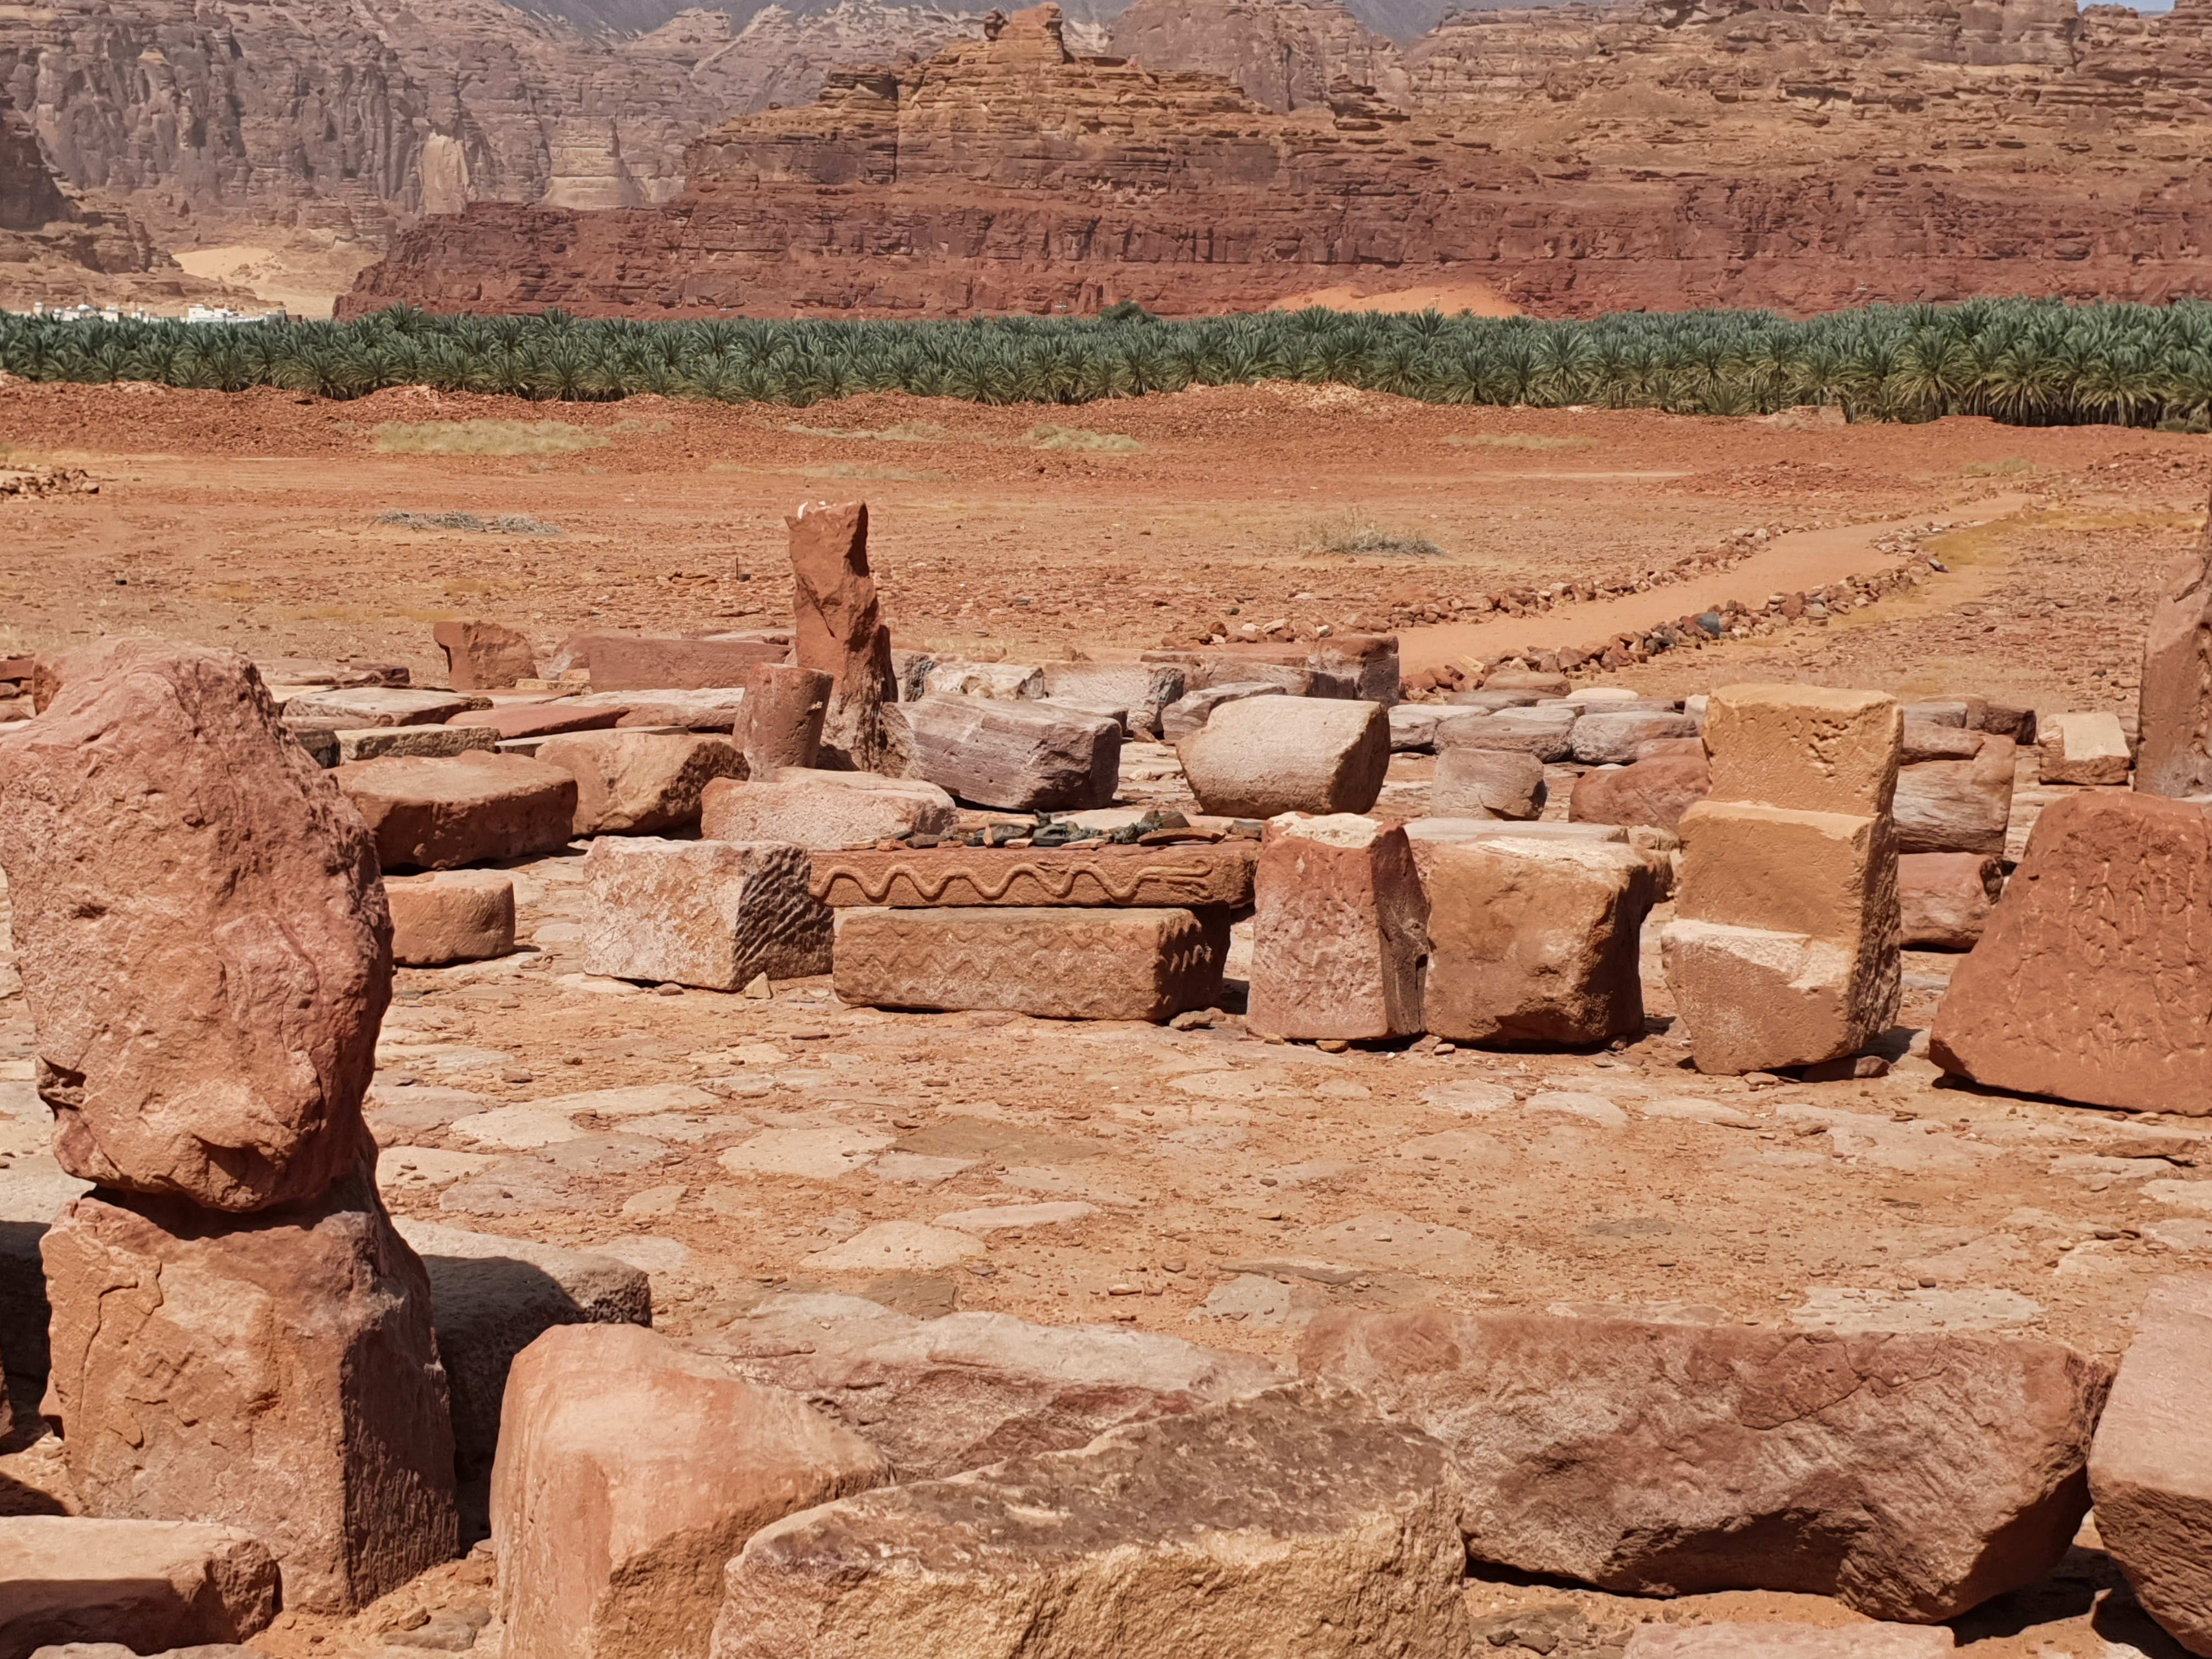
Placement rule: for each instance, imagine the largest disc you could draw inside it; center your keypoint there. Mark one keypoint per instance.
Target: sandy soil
(1216, 1168)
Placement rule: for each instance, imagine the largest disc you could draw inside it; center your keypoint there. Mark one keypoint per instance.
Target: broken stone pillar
(1337, 929)
(1785, 948)
(780, 723)
(710, 913)
(2174, 708)
(841, 633)
(483, 656)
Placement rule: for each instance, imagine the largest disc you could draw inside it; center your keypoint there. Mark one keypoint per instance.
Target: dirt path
(1808, 558)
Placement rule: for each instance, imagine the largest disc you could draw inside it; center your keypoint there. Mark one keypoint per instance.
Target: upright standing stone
(1338, 928)
(1785, 947)
(2175, 708)
(780, 723)
(275, 1372)
(201, 931)
(841, 633)
(713, 914)
(2083, 749)
(2150, 1467)
(483, 656)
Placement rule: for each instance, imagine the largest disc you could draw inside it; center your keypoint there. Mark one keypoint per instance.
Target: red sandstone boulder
(2175, 708)
(202, 935)
(1657, 791)
(440, 814)
(2090, 981)
(146, 1585)
(841, 633)
(1944, 899)
(483, 656)
(1911, 1477)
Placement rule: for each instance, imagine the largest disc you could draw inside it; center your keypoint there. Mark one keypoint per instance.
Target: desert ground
(1202, 1182)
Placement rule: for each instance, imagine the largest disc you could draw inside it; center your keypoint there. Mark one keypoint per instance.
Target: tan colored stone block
(452, 916)
(1190, 877)
(1339, 930)
(2082, 748)
(1765, 1641)
(1827, 875)
(1486, 783)
(1266, 755)
(710, 913)
(1095, 964)
(483, 656)
(640, 782)
(1754, 999)
(375, 742)
(1958, 805)
(823, 810)
(1944, 900)
(1655, 790)
(1536, 941)
(1815, 748)
(1017, 757)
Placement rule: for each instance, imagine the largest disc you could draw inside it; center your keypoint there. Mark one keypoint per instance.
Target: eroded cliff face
(1281, 57)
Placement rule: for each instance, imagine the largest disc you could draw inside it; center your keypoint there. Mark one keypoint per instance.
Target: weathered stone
(713, 914)
(454, 915)
(1911, 1477)
(2082, 748)
(1944, 899)
(1789, 1641)
(1190, 712)
(950, 677)
(1527, 680)
(1194, 876)
(1957, 805)
(629, 1471)
(2150, 1468)
(1145, 689)
(1811, 747)
(202, 938)
(148, 1585)
(548, 718)
(1486, 783)
(1755, 999)
(491, 1297)
(1930, 740)
(640, 782)
(1017, 757)
(636, 662)
(2174, 708)
(1655, 790)
(433, 742)
(483, 656)
(1268, 755)
(1536, 941)
(1338, 930)
(440, 814)
(694, 708)
(940, 1396)
(1604, 737)
(1831, 876)
(274, 1371)
(1091, 963)
(813, 808)
(2090, 981)
(1545, 733)
(782, 724)
(355, 707)
(1294, 1520)
(841, 633)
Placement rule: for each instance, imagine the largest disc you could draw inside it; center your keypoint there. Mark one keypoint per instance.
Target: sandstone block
(1296, 1520)
(275, 1372)
(631, 662)
(434, 742)
(1913, 1477)
(2150, 1469)
(548, 718)
(1755, 999)
(1015, 756)
(1814, 748)
(1195, 876)
(1536, 941)
(640, 782)
(1145, 689)
(1529, 680)
(781, 722)
(1944, 899)
(483, 656)
(1412, 728)
(2090, 981)
(1605, 738)
(1486, 783)
(1546, 732)
(492, 1297)
(2082, 748)
(1789, 1641)
(1339, 929)
(1190, 712)
(1095, 964)
(1957, 805)
(950, 677)
(1657, 790)
(148, 1585)
(712, 913)
(454, 915)
(356, 707)
(2174, 708)
(202, 936)
(440, 814)
(629, 1471)
(1266, 755)
(694, 708)
(841, 633)
(1930, 741)
(941, 1396)
(823, 810)
(1830, 875)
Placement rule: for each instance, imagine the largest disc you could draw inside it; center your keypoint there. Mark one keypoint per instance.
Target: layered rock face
(1008, 174)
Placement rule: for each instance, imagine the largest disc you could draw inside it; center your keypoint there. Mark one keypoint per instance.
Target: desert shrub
(510, 524)
(1076, 437)
(1353, 533)
(2003, 469)
(485, 438)
(1509, 440)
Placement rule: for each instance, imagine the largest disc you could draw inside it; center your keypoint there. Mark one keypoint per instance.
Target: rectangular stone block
(696, 709)
(1144, 688)
(451, 915)
(440, 814)
(1536, 941)
(147, 1586)
(1604, 737)
(1754, 999)
(433, 742)
(950, 677)
(632, 662)
(1339, 930)
(1814, 748)
(1101, 962)
(1958, 805)
(2081, 748)
(824, 811)
(710, 913)
(1944, 900)
(2150, 1468)
(1828, 875)
(1789, 1641)
(481, 656)
(1486, 783)
(1190, 877)
(1015, 756)
(1190, 712)
(543, 719)
(1262, 756)
(380, 705)
(638, 782)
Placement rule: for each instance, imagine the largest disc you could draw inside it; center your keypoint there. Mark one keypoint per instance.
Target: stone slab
(1187, 876)
(146, 1585)
(440, 814)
